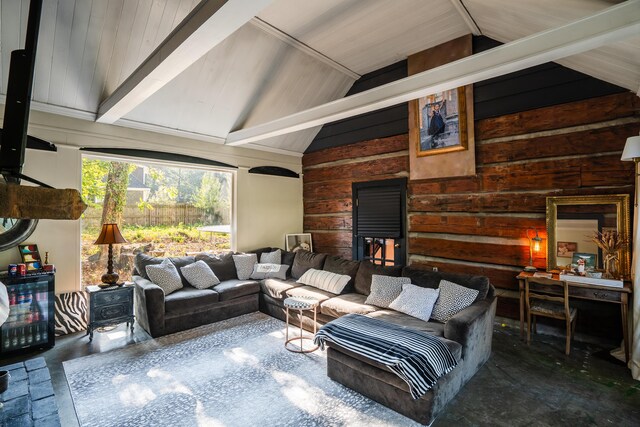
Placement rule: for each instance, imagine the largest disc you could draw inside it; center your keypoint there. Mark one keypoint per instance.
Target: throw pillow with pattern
(416, 301)
(325, 280)
(385, 289)
(199, 275)
(274, 257)
(244, 265)
(269, 271)
(453, 299)
(165, 275)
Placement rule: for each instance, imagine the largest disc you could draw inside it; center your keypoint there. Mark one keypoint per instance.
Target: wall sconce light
(632, 152)
(534, 247)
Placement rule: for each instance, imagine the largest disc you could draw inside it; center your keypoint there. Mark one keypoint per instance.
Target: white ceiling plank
(466, 17)
(205, 27)
(608, 26)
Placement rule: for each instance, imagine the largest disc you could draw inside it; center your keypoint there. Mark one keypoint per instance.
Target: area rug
(231, 373)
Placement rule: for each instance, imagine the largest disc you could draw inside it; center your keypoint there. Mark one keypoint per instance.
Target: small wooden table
(589, 292)
(108, 307)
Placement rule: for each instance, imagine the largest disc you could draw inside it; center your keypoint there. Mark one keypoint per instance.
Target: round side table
(301, 304)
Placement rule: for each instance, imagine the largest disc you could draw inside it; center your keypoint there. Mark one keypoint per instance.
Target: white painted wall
(267, 207)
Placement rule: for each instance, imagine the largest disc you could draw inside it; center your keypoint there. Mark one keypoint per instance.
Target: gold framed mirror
(572, 220)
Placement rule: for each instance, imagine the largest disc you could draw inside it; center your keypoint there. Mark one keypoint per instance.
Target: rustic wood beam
(26, 202)
(205, 27)
(615, 23)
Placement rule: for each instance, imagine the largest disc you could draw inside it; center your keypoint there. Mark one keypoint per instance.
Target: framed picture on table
(30, 256)
(297, 242)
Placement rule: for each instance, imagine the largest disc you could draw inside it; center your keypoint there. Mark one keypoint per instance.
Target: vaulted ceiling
(260, 62)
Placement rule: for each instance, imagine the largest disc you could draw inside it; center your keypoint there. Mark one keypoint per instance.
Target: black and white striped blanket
(416, 357)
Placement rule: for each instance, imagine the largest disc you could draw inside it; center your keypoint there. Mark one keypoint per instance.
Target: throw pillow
(325, 280)
(305, 260)
(269, 271)
(244, 265)
(367, 269)
(453, 299)
(288, 258)
(385, 289)
(142, 260)
(415, 301)
(165, 275)
(222, 265)
(274, 257)
(199, 275)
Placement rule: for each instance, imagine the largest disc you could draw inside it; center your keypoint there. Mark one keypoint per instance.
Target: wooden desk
(589, 292)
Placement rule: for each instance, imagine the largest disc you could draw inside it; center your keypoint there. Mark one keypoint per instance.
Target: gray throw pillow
(415, 301)
(199, 275)
(367, 269)
(142, 260)
(165, 275)
(269, 271)
(384, 289)
(274, 257)
(244, 265)
(453, 299)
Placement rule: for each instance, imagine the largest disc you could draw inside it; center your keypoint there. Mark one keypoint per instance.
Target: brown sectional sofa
(468, 334)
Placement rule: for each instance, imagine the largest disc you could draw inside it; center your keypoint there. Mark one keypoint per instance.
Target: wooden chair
(545, 299)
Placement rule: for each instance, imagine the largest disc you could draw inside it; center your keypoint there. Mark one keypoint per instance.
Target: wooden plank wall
(477, 224)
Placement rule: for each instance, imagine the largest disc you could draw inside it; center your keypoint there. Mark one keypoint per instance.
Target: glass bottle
(14, 338)
(6, 341)
(38, 335)
(30, 335)
(23, 337)
(45, 333)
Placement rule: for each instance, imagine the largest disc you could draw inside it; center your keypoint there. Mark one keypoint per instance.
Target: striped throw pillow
(325, 280)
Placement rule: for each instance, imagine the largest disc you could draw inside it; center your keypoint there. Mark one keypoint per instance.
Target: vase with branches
(611, 243)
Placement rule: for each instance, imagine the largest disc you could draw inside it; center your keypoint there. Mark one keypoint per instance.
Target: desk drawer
(112, 297)
(594, 294)
(110, 312)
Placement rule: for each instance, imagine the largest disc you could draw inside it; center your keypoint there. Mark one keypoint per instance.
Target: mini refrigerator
(31, 323)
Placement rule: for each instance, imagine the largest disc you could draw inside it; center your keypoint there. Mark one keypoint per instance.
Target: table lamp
(109, 235)
(534, 247)
(631, 152)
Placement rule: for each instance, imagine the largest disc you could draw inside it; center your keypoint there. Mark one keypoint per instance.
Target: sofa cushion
(309, 292)
(431, 279)
(231, 289)
(305, 260)
(367, 269)
(384, 289)
(346, 304)
(222, 265)
(416, 301)
(165, 275)
(325, 280)
(453, 299)
(260, 251)
(274, 257)
(277, 288)
(288, 258)
(187, 300)
(265, 271)
(392, 316)
(199, 275)
(339, 265)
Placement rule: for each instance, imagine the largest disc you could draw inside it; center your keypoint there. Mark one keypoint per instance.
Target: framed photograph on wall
(566, 249)
(297, 242)
(440, 125)
(30, 256)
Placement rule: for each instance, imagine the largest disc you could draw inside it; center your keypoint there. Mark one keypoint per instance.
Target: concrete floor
(520, 385)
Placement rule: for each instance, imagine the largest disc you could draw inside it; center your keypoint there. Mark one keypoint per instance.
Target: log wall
(478, 224)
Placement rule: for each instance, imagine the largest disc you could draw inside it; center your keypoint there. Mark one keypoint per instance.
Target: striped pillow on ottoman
(325, 280)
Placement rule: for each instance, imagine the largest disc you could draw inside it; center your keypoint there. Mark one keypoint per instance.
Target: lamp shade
(631, 149)
(110, 234)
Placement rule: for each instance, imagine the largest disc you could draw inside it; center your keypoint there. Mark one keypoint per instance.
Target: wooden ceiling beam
(612, 24)
(205, 27)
